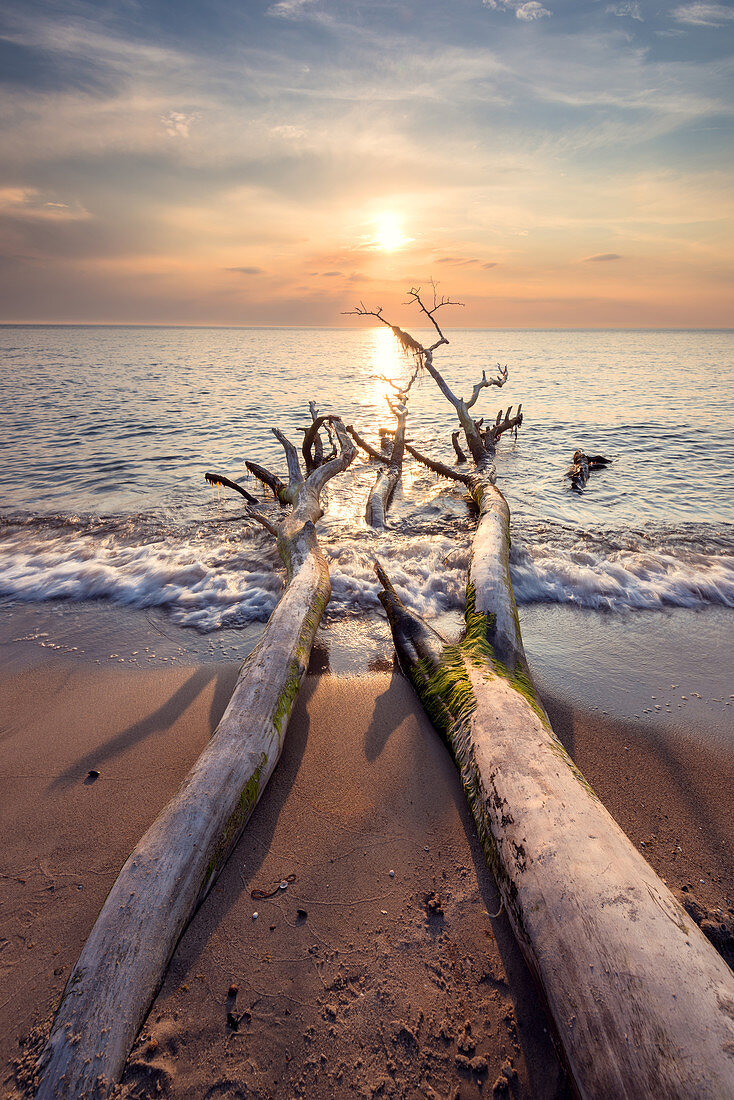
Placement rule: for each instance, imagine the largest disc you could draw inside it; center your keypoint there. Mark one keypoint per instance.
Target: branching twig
(414, 294)
(504, 424)
(481, 445)
(318, 478)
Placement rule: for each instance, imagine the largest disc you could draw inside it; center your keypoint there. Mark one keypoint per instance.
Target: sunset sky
(551, 163)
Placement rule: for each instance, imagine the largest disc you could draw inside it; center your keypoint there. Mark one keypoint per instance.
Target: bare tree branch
(414, 294)
(365, 446)
(312, 439)
(318, 478)
(273, 482)
(460, 456)
(219, 479)
(480, 445)
(291, 456)
(499, 381)
(263, 521)
(440, 467)
(504, 424)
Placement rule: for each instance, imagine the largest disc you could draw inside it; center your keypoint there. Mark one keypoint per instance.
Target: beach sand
(351, 981)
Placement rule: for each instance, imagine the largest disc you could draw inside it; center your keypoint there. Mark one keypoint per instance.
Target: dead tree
(313, 447)
(581, 465)
(642, 1004)
(175, 864)
(392, 451)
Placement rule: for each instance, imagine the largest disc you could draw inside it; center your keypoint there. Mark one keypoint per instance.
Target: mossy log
(175, 864)
(641, 1003)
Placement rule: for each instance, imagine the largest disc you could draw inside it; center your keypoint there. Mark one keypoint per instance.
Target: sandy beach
(385, 967)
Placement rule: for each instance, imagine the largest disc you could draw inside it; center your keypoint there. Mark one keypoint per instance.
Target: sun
(389, 234)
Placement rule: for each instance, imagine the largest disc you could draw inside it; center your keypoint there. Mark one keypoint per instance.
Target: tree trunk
(381, 493)
(643, 1006)
(175, 864)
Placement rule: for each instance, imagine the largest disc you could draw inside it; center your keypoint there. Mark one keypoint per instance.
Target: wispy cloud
(629, 9)
(456, 261)
(178, 123)
(703, 15)
(27, 202)
(289, 9)
(163, 156)
(527, 11)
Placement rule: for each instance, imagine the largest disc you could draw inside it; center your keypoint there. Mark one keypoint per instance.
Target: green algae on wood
(178, 859)
(641, 1003)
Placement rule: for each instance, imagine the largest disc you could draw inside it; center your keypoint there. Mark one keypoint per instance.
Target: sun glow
(389, 234)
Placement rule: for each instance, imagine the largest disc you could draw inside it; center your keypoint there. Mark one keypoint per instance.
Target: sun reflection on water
(386, 360)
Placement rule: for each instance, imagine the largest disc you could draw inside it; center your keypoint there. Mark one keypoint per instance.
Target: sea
(113, 547)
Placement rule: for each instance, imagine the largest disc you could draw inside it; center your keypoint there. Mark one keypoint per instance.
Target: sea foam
(209, 576)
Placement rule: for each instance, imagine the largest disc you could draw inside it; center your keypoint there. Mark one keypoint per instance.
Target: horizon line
(357, 327)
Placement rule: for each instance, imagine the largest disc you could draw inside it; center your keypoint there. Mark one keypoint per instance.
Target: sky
(549, 163)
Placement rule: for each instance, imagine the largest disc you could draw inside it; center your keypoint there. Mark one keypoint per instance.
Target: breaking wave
(212, 574)
(608, 577)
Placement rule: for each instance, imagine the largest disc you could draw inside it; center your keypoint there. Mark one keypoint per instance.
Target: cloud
(631, 9)
(703, 14)
(177, 124)
(246, 270)
(456, 261)
(28, 202)
(533, 10)
(492, 263)
(526, 12)
(288, 9)
(602, 257)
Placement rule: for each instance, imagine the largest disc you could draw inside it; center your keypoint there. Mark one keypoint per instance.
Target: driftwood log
(392, 451)
(641, 1003)
(581, 465)
(388, 476)
(382, 491)
(175, 864)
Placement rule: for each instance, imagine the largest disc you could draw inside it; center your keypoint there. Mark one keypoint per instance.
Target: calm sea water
(108, 431)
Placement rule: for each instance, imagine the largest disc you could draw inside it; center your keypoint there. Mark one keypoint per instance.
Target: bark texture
(176, 863)
(641, 1003)
(382, 491)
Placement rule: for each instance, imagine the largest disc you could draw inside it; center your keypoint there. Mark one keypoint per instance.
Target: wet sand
(350, 981)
